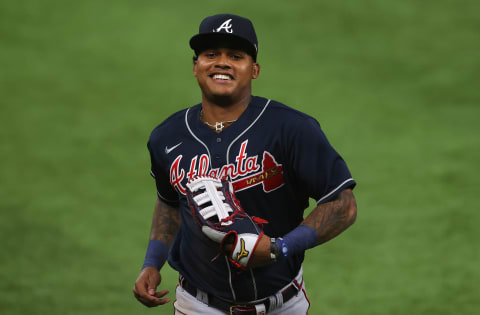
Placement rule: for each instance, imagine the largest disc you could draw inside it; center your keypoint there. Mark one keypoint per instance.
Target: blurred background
(394, 85)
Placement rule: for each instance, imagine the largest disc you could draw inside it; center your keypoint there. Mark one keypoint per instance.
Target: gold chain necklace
(218, 124)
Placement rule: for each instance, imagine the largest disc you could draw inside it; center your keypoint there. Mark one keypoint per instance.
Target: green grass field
(394, 85)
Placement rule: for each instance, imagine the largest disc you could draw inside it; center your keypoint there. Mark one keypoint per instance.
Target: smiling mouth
(224, 77)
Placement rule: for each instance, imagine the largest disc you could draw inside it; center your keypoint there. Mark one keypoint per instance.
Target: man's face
(225, 74)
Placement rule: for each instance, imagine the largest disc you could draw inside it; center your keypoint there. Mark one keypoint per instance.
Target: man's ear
(195, 67)
(255, 70)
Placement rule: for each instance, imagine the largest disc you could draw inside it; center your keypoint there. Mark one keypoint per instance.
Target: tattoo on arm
(165, 223)
(333, 217)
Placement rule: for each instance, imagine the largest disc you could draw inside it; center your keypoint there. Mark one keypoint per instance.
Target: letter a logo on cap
(226, 26)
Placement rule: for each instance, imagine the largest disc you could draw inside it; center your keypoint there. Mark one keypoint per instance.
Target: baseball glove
(222, 219)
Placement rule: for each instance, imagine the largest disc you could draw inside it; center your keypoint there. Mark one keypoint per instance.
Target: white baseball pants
(186, 304)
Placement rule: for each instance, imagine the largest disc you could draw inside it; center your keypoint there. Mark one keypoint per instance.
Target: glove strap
(244, 247)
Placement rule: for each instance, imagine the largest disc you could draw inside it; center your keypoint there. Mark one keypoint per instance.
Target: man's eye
(237, 57)
(210, 55)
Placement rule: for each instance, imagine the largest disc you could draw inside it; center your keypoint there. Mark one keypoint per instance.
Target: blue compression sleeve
(298, 240)
(157, 253)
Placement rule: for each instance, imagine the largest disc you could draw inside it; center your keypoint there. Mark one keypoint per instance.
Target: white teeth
(221, 77)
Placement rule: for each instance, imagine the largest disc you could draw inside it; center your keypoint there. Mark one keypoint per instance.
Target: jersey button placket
(217, 147)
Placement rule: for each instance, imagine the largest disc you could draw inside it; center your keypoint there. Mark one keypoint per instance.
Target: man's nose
(223, 61)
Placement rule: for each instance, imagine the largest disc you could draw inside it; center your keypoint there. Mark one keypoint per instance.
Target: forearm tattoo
(165, 223)
(332, 218)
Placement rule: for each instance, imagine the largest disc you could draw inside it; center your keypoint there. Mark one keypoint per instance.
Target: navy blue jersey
(276, 157)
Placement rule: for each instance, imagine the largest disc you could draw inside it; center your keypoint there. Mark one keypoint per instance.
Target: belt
(243, 309)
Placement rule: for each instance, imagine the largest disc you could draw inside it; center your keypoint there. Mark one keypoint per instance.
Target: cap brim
(201, 42)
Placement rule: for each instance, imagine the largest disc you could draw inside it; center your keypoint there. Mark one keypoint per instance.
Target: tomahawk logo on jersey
(276, 157)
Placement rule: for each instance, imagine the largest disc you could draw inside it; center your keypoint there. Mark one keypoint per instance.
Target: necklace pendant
(219, 126)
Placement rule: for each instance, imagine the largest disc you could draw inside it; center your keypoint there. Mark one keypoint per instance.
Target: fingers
(159, 294)
(145, 287)
(151, 287)
(151, 300)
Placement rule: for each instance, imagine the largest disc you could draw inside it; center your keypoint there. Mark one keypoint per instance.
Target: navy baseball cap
(233, 30)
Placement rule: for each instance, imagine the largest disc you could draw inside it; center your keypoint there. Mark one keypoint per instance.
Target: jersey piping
(158, 193)
(196, 138)
(263, 110)
(165, 199)
(333, 191)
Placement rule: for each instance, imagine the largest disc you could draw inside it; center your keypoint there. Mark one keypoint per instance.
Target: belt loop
(279, 298)
(273, 303)
(297, 285)
(202, 296)
(260, 309)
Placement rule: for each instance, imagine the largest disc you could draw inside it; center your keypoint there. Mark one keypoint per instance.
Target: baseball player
(264, 161)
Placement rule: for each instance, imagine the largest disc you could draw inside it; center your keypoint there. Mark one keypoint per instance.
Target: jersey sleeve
(317, 166)
(165, 191)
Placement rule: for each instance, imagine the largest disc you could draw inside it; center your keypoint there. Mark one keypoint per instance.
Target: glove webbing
(215, 196)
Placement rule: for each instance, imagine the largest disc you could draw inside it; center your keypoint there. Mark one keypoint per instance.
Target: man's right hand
(146, 286)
